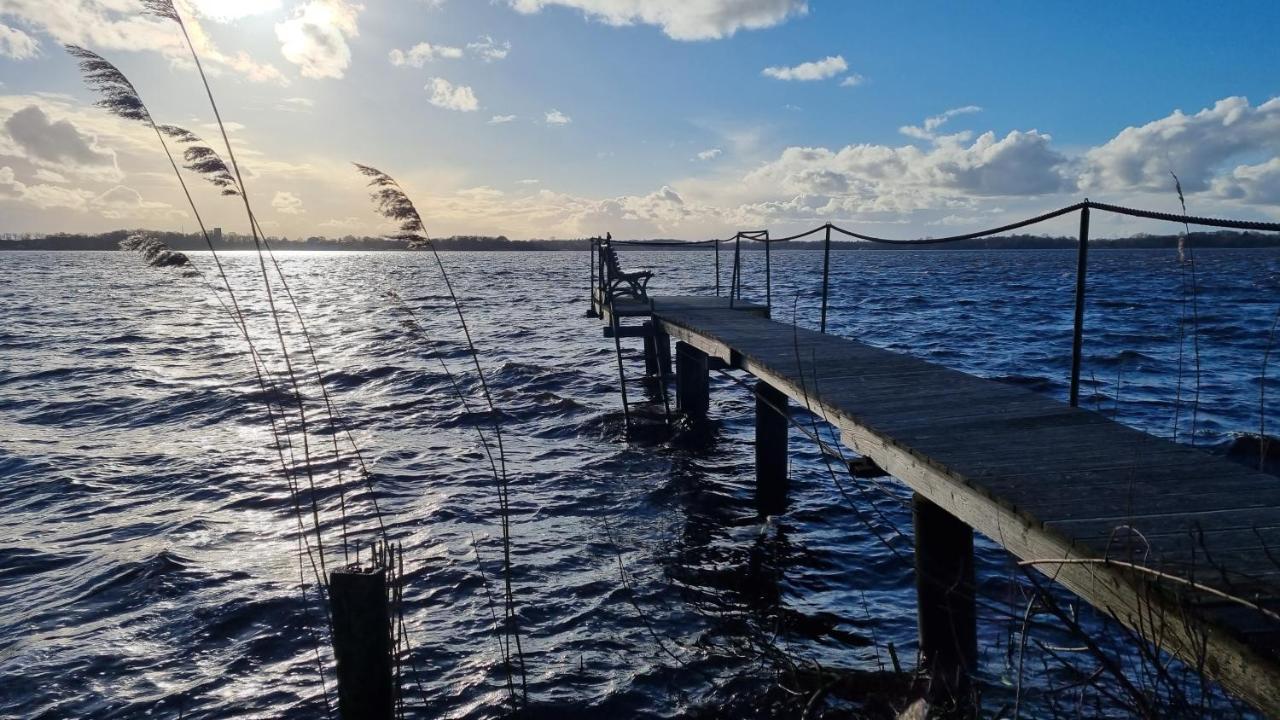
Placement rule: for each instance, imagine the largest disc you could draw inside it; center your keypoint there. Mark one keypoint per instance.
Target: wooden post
(651, 367)
(771, 449)
(362, 643)
(693, 382)
(662, 344)
(946, 609)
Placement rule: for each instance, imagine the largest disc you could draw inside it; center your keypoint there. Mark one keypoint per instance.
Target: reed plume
(1188, 261)
(393, 203)
(165, 9)
(154, 251)
(202, 160)
(118, 96)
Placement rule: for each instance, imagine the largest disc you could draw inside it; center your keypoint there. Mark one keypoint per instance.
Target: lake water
(148, 547)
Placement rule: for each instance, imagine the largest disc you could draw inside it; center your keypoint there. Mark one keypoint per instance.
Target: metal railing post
(826, 273)
(737, 268)
(717, 244)
(1077, 340)
(768, 277)
(592, 287)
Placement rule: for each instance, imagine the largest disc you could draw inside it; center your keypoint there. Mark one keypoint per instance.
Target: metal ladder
(657, 371)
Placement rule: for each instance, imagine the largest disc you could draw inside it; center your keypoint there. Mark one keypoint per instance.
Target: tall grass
(118, 96)
(393, 203)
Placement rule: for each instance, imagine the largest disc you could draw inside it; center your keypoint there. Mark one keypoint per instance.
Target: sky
(651, 118)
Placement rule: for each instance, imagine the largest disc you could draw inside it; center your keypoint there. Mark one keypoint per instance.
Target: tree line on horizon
(110, 241)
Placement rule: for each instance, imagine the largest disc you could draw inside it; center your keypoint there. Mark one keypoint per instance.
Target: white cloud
(451, 97)
(347, 224)
(57, 144)
(501, 119)
(1196, 147)
(681, 19)
(529, 181)
(122, 202)
(852, 80)
(16, 44)
(46, 175)
(1255, 184)
(287, 203)
(42, 197)
(710, 154)
(296, 104)
(860, 179)
(555, 117)
(931, 124)
(315, 37)
(829, 66)
(106, 25)
(488, 50)
(423, 53)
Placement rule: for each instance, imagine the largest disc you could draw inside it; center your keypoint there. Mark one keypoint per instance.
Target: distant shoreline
(191, 243)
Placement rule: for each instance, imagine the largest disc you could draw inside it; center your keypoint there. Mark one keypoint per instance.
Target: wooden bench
(618, 282)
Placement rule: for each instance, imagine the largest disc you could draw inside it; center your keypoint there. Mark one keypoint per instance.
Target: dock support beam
(945, 597)
(693, 382)
(657, 351)
(362, 643)
(771, 449)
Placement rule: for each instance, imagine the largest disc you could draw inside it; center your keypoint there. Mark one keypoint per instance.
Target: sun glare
(227, 10)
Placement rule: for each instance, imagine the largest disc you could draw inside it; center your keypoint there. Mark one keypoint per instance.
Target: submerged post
(362, 643)
(693, 382)
(826, 272)
(945, 601)
(1077, 338)
(771, 449)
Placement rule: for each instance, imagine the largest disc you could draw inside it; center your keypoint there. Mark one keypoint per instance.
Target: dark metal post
(592, 290)
(362, 643)
(717, 244)
(735, 289)
(826, 273)
(945, 601)
(1077, 339)
(771, 449)
(768, 279)
(693, 381)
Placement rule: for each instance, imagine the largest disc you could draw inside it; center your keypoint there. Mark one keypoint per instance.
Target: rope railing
(1084, 207)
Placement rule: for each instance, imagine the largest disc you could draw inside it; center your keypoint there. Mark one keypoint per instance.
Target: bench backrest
(611, 261)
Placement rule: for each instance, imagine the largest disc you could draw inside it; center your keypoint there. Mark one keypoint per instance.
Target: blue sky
(653, 118)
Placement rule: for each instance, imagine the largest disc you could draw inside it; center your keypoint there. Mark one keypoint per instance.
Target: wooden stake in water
(362, 642)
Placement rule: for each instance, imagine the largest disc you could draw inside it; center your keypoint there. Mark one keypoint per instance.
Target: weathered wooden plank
(1043, 480)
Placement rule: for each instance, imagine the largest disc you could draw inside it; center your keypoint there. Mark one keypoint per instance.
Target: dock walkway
(1144, 529)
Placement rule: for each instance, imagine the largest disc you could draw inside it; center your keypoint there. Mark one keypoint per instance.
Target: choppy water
(148, 565)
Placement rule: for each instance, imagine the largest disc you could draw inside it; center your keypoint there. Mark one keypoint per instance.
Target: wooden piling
(651, 368)
(946, 607)
(362, 643)
(693, 382)
(662, 345)
(771, 449)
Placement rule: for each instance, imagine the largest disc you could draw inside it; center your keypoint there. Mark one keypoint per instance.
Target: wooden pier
(1153, 533)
